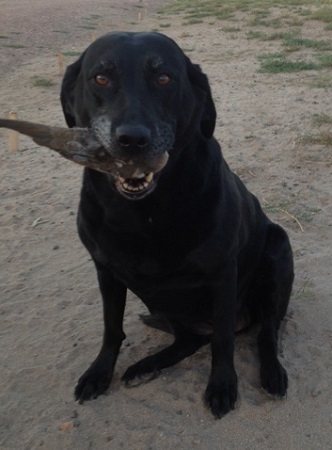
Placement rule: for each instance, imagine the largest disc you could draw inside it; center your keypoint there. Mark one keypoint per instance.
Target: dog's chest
(148, 252)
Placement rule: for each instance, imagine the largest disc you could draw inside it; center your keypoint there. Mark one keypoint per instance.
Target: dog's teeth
(149, 177)
(138, 174)
(138, 182)
(118, 164)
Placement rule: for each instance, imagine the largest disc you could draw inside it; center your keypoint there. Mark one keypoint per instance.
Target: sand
(50, 308)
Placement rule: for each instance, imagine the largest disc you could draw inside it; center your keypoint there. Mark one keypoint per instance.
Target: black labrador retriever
(181, 231)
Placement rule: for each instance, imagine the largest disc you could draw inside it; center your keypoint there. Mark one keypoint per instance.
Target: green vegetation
(322, 119)
(280, 35)
(61, 31)
(277, 63)
(324, 14)
(324, 81)
(305, 291)
(14, 46)
(260, 14)
(41, 82)
(262, 22)
(296, 43)
(325, 61)
(259, 8)
(90, 22)
(88, 27)
(231, 29)
(321, 138)
(71, 53)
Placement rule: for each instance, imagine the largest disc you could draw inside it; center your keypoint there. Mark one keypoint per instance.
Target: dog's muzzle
(140, 154)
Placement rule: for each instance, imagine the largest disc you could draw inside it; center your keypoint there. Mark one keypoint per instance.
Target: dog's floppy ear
(209, 114)
(67, 95)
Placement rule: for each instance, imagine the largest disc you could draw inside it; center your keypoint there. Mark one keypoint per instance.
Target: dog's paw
(141, 372)
(94, 382)
(220, 397)
(274, 379)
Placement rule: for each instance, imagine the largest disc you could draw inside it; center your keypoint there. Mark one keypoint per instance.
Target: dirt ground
(50, 308)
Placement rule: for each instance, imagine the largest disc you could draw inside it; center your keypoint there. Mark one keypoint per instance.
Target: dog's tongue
(81, 146)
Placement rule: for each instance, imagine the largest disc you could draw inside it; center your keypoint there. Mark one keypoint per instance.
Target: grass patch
(305, 291)
(280, 35)
(221, 14)
(304, 12)
(324, 14)
(277, 63)
(189, 49)
(292, 208)
(231, 29)
(305, 215)
(71, 53)
(225, 15)
(255, 35)
(193, 21)
(88, 27)
(200, 9)
(323, 82)
(41, 82)
(296, 43)
(90, 22)
(321, 119)
(258, 7)
(14, 46)
(259, 22)
(295, 23)
(322, 138)
(94, 17)
(325, 61)
(275, 206)
(298, 212)
(296, 12)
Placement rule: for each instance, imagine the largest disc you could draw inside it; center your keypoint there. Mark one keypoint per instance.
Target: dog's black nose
(133, 136)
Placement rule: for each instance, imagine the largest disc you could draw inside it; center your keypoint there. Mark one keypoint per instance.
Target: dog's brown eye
(102, 80)
(163, 79)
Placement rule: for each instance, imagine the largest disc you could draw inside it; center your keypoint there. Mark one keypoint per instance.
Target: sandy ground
(50, 310)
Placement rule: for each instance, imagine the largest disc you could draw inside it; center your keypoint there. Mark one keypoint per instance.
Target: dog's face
(140, 95)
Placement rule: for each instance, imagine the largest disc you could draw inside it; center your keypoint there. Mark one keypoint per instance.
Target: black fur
(197, 249)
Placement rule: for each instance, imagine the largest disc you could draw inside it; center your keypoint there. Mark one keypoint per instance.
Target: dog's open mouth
(136, 187)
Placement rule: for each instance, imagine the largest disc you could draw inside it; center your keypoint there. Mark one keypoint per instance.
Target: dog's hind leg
(272, 297)
(157, 322)
(185, 344)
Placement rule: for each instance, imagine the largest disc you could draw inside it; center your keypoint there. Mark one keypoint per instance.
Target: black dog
(182, 231)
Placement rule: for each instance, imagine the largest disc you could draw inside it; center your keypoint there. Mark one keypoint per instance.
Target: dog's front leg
(221, 392)
(97, 378)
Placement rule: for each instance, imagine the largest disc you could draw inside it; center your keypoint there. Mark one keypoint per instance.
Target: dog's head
(144, 101)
